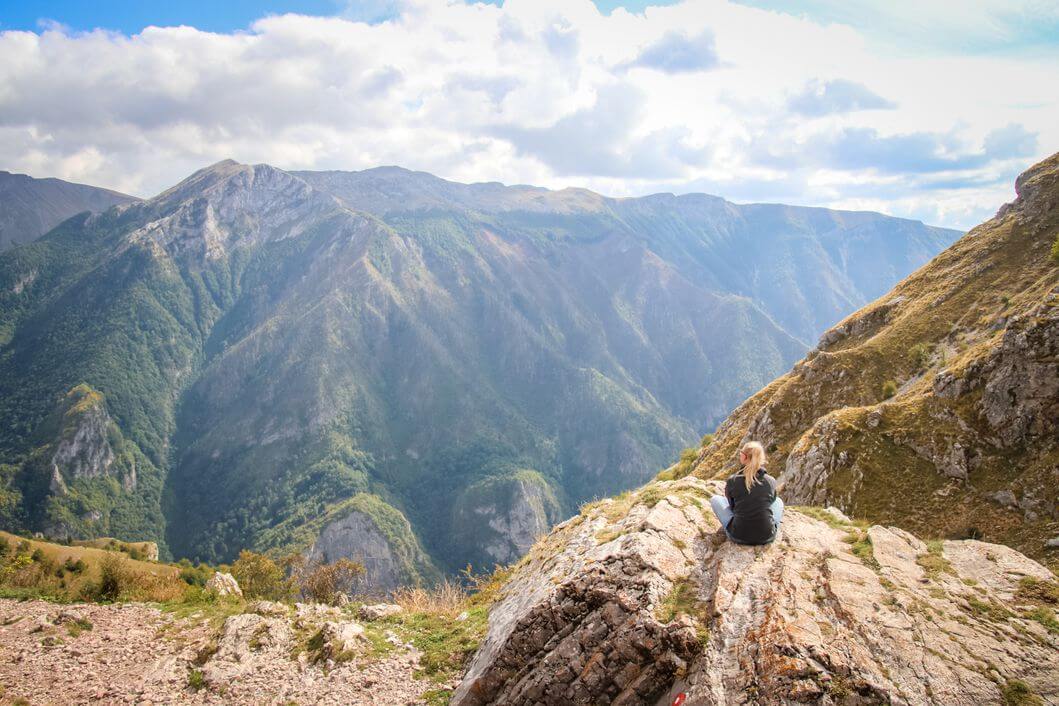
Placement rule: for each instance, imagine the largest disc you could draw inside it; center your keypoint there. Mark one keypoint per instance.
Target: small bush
(260, 577)
(920, 354)
(1055, 250)
(889, 389)
(324, 583)
(114, 578)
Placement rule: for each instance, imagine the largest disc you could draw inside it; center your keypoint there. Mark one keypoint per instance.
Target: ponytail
(755, 460)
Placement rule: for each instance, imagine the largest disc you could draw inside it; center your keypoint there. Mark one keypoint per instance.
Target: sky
(922, 109)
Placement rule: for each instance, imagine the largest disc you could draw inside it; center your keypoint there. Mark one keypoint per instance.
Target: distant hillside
(390, 366)
(31, 207)
(936, 407)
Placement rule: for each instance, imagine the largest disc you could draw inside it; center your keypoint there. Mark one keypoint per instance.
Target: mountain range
(386, 364)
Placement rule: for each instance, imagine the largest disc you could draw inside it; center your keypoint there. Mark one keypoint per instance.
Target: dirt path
(136, 654)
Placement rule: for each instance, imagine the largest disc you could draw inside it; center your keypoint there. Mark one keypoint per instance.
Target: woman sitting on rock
(750, 511)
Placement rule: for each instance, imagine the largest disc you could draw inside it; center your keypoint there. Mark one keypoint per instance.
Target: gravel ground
(136, 654)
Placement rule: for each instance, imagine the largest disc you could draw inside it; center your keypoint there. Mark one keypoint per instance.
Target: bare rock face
(504, 516)
(223, 585)
(83, 449)
(1021, 393)
(357, 537)
(639, 600)
(230, 204)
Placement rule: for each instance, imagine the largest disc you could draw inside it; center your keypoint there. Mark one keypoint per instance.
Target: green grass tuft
(1018, 693)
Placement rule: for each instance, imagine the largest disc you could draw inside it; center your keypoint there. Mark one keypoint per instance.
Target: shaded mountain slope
(292, 365)
(31, 207)
(936, 407)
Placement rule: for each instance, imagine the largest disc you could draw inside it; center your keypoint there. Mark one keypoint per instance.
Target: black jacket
(752, 521)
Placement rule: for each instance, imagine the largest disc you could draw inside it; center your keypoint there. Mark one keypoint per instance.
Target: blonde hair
(755, 459)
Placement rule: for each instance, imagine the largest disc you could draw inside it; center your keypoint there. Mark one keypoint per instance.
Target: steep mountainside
(935, 408)
(636, 602)
(31, 207)
(429, 386)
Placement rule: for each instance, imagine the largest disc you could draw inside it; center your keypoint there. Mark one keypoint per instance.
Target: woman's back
(752, 520)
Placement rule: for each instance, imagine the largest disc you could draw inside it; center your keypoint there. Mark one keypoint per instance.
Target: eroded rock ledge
(635, 601)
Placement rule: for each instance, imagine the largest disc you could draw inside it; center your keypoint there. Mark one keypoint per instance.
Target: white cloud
(703, 95)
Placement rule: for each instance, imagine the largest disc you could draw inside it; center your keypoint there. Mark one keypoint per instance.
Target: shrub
(260, 577)
(115, 578)
(920, 354)
(324, 583)
(1055, 250)
(889, 389)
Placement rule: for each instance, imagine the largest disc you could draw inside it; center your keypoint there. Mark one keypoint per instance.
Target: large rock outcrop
(379, 536)
(635, 601)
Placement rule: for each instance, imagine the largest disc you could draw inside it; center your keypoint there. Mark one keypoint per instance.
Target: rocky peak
(1038, 188)
(638, 600)
(230, 204)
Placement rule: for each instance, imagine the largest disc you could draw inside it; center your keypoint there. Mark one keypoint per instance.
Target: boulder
(269, 609)
(379, 611)
(247, 642)
(224, 585)
(336, 641)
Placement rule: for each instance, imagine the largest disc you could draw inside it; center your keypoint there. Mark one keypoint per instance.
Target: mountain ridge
(32, 206)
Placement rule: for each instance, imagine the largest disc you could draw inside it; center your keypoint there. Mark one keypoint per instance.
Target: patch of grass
(889, 389)
(609, 534)
(1054, 256)
(196, 680)
(920, 354)
(446, 644)
(257, 640)
(990, 610)
(1038, 591)
(839, 689)
(819, 513)
(682, 600)
(651, 496)
(934, 562)
(1019, 693)
(76, 627)
(437, 697)
(860, 546)
(1044, 616)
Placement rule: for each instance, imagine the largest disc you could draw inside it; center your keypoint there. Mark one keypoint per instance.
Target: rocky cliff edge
(638, 600)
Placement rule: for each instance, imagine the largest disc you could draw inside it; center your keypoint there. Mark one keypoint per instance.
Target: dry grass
(104, 572)
(447, 598)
